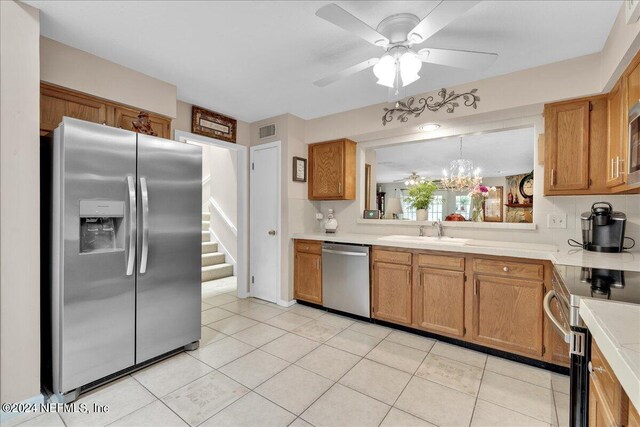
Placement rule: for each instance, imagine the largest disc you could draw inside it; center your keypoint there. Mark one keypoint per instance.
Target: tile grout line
(475, 403)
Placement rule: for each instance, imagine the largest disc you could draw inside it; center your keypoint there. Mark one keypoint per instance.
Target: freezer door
(94, 298)
(169, 246)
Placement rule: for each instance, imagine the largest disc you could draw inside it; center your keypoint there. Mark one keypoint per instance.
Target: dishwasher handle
(332, 251)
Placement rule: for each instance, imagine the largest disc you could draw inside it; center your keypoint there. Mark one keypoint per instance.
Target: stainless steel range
(570, 285)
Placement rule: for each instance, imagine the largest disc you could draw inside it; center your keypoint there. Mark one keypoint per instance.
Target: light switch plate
(556, 220)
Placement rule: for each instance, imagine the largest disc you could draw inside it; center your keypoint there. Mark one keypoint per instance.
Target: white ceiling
(258, 59)
(496, 154)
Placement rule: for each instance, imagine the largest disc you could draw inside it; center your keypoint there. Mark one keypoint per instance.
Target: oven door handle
(566, 335)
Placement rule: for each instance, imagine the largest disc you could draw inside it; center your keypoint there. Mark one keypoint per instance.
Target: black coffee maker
(603, 229)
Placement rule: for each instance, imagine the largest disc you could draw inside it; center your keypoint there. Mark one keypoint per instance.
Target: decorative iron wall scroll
(448, 100)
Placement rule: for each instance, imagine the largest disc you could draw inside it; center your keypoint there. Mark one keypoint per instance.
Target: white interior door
(265, 221)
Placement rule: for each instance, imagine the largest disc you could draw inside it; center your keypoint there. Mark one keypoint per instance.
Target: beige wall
(75, 69)
(20, 207)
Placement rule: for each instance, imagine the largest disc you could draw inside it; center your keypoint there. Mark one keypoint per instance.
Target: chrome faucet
(439, 229)
(421, 233)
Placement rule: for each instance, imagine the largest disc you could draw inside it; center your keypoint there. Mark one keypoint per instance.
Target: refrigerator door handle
(145, 226)
(131, 257)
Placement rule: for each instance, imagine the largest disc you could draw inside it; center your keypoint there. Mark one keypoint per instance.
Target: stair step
(206, 216)
(212, 258)
(209, 247)
(218, 271)
(206, 236)
(205, 225)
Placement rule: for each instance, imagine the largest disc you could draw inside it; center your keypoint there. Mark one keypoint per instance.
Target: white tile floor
(263, 365)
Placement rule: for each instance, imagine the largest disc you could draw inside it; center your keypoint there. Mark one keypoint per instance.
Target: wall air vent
(267, 131)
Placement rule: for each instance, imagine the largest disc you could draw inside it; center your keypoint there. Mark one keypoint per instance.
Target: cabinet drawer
(394, 257)
(508, 268)
(309, 246)
(441, 261)
(610, 388)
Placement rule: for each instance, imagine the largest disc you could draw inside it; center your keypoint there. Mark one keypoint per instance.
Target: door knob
(272, 232)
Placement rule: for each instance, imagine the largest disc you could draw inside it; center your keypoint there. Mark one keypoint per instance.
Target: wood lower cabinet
(57, 102)
(391, 290)
(507, 314)
(599, 412)
(332, 170)
(307, 280)
(609, 405)
(439, 301)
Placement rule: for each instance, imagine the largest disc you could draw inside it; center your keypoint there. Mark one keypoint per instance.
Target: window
(434, 213)
(408, 211)
(463, 206)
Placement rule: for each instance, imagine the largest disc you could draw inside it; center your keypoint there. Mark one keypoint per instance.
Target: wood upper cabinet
(576, 147)
(567, 146)
(124, 116)
(507, 313)
(332, 170)
(392, 286)
(307, 280)
(616, 150)
(57, 102)
(439, 301)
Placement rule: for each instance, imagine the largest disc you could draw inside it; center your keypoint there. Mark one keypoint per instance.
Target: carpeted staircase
(213, 262)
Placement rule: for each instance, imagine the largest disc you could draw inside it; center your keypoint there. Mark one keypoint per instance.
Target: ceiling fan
(397, 34)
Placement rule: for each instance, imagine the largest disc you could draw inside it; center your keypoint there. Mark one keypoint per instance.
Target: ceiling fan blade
(346, 72)
(343, 19)
(441, 16)
(457, 58)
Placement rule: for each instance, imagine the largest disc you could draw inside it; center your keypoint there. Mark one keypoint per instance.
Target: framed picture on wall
(299, 169)
(493, 206)
(214, 125)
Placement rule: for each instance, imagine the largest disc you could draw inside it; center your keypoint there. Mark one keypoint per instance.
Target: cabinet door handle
(617, 166)
(318, 263)
(339, 188)
(553, 177)
(475, 287)
(505, 269)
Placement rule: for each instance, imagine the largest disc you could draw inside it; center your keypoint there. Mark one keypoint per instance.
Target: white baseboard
(35, 400)
(286, 303)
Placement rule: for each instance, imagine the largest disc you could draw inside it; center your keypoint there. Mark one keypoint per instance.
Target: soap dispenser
(331, 224)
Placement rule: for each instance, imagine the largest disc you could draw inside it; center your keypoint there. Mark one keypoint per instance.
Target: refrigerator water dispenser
(101, 226)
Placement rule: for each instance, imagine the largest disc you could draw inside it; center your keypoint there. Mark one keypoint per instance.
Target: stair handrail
(222, 215)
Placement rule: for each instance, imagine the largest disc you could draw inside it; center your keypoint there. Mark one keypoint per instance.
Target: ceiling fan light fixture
(409, 64)
(385, 71)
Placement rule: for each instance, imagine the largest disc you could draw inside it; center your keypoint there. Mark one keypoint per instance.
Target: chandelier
(398, 68)
(461, 175)
(414, 179)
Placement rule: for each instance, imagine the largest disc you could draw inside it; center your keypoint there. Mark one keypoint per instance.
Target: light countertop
(616, 329)
(622, 261)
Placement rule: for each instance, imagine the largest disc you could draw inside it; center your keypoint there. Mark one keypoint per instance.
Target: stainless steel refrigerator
(121, 252)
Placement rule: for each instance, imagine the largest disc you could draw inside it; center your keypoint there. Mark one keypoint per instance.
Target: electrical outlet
(556, 220)
(319, 216)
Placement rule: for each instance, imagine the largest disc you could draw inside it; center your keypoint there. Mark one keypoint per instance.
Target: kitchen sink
(426, 239)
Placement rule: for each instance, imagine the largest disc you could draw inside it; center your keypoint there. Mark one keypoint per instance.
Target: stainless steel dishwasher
(345, 278)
